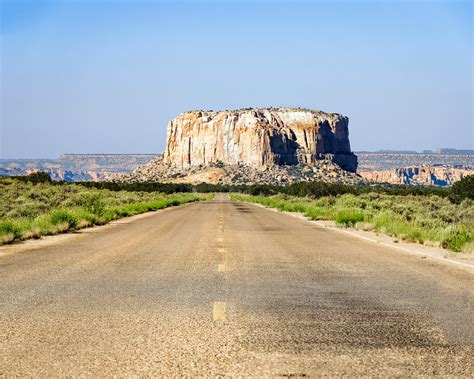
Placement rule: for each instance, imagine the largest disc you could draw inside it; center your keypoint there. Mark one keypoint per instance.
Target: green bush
(63, 216)
(456, 237)
(416, 235)
(348, 217)
(36, 177)
(463, 189)
(92, 202)
(9, 227)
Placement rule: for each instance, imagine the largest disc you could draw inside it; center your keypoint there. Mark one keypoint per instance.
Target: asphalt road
(224, 288)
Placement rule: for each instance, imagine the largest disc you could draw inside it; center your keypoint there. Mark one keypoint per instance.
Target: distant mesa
(450, 151)
(254, 146)
(259, 137)
(442, 151)
(441, 167)
(420, 175)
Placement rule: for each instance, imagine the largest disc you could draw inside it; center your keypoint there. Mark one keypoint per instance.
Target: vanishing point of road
(224, 288)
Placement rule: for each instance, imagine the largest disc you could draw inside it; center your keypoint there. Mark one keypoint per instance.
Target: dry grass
(7, 237)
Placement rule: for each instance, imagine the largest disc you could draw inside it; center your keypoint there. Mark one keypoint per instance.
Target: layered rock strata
(259, 137)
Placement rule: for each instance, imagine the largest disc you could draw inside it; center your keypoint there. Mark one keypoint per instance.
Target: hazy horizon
(105, 77)
(161, 152)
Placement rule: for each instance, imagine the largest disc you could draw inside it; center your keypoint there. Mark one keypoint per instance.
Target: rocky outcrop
(220, 173)
(420, 175)
(259, 137)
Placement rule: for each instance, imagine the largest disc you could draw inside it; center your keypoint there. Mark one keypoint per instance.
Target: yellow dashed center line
(219, 308)
(222, 267)
(219, 311)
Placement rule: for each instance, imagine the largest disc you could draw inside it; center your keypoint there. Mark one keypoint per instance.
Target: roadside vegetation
(461, 190)
(311, 189)
(444, 221)
(33, 205)
(37, 207)
(458, 192)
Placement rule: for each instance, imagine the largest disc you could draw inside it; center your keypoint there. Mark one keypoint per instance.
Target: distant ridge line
(92, 154)
(107, 155)
(424, 152)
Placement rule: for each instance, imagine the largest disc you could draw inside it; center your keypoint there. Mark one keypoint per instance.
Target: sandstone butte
(258, 137)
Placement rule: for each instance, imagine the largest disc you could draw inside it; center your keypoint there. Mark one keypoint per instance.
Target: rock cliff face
(259, 137)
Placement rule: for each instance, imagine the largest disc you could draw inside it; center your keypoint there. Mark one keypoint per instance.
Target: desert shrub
(7, 237)
(61, 216)
(315, 213)
(27, 209)
(35, 177)
(33, 233)
(43, 223)
(7, 227)
(60, 227)
(92, 202)
(455, 237)
(352, 201)
(371, 196)
(85, 216)
(428, 223)
(38, 195)
(348, 217)
(327, 201)
(415, 235)
(462, 189)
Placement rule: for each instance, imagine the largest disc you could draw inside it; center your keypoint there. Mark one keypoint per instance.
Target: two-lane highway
(226, 288)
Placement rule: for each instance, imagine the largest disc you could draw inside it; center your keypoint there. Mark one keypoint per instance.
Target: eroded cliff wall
(259, 137)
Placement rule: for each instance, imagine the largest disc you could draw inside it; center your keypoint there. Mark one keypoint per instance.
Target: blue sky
(105, 76)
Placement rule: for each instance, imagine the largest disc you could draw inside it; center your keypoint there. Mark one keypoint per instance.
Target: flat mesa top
(258, 110)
